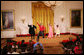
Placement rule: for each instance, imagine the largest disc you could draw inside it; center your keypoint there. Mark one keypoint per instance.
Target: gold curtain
(42, 14)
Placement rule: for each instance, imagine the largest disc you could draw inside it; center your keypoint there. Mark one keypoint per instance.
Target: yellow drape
(42, 14)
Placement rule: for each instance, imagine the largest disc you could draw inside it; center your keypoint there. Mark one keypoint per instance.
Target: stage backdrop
(42, 14)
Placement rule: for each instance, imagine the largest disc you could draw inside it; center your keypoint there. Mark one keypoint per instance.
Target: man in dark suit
(31, 30)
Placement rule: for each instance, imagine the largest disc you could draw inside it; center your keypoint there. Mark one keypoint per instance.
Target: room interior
(31, 12)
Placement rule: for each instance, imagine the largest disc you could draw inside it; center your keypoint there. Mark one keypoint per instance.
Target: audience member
(78, 48)
(38, 48)
(15, 52)
(15, 48)
(10, 51)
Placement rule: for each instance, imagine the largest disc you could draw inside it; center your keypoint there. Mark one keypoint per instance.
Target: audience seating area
(22, 47)
(72, 46)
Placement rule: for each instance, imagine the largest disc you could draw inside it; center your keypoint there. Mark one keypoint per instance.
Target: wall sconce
(23, 19)
(62, 18)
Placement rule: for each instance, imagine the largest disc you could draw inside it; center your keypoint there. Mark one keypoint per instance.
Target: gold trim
(1, 22)
(13, 20)
(70, 19)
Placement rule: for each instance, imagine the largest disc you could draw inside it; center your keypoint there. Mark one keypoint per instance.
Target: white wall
(23, 9)
(64, 10)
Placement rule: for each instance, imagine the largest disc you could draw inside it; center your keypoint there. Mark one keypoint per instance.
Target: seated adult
(15, 51)
(10, 50)
(5, 48)
(30, 46)
(38, 48)
(22, 44)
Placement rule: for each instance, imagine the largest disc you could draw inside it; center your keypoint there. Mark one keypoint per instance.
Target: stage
(51, 45)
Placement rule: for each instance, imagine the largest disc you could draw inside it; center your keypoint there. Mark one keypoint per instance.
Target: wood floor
(51, 46)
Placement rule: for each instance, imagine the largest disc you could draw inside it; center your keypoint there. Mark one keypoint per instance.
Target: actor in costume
(50, 35)
(57, 30)
(31, 30)
(41, 28)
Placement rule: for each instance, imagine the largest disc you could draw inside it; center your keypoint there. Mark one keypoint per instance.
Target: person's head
(16, 46)
(23, 41)
(38, 44)
(31, 24)
(77, 43)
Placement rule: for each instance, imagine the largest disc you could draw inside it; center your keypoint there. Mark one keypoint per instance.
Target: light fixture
(23, 19)
(62, 18)
(52, 4)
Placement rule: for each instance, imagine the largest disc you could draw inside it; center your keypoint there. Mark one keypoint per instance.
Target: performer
(31, 30)
(57, 30)
(50, 35)
(41, 28)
